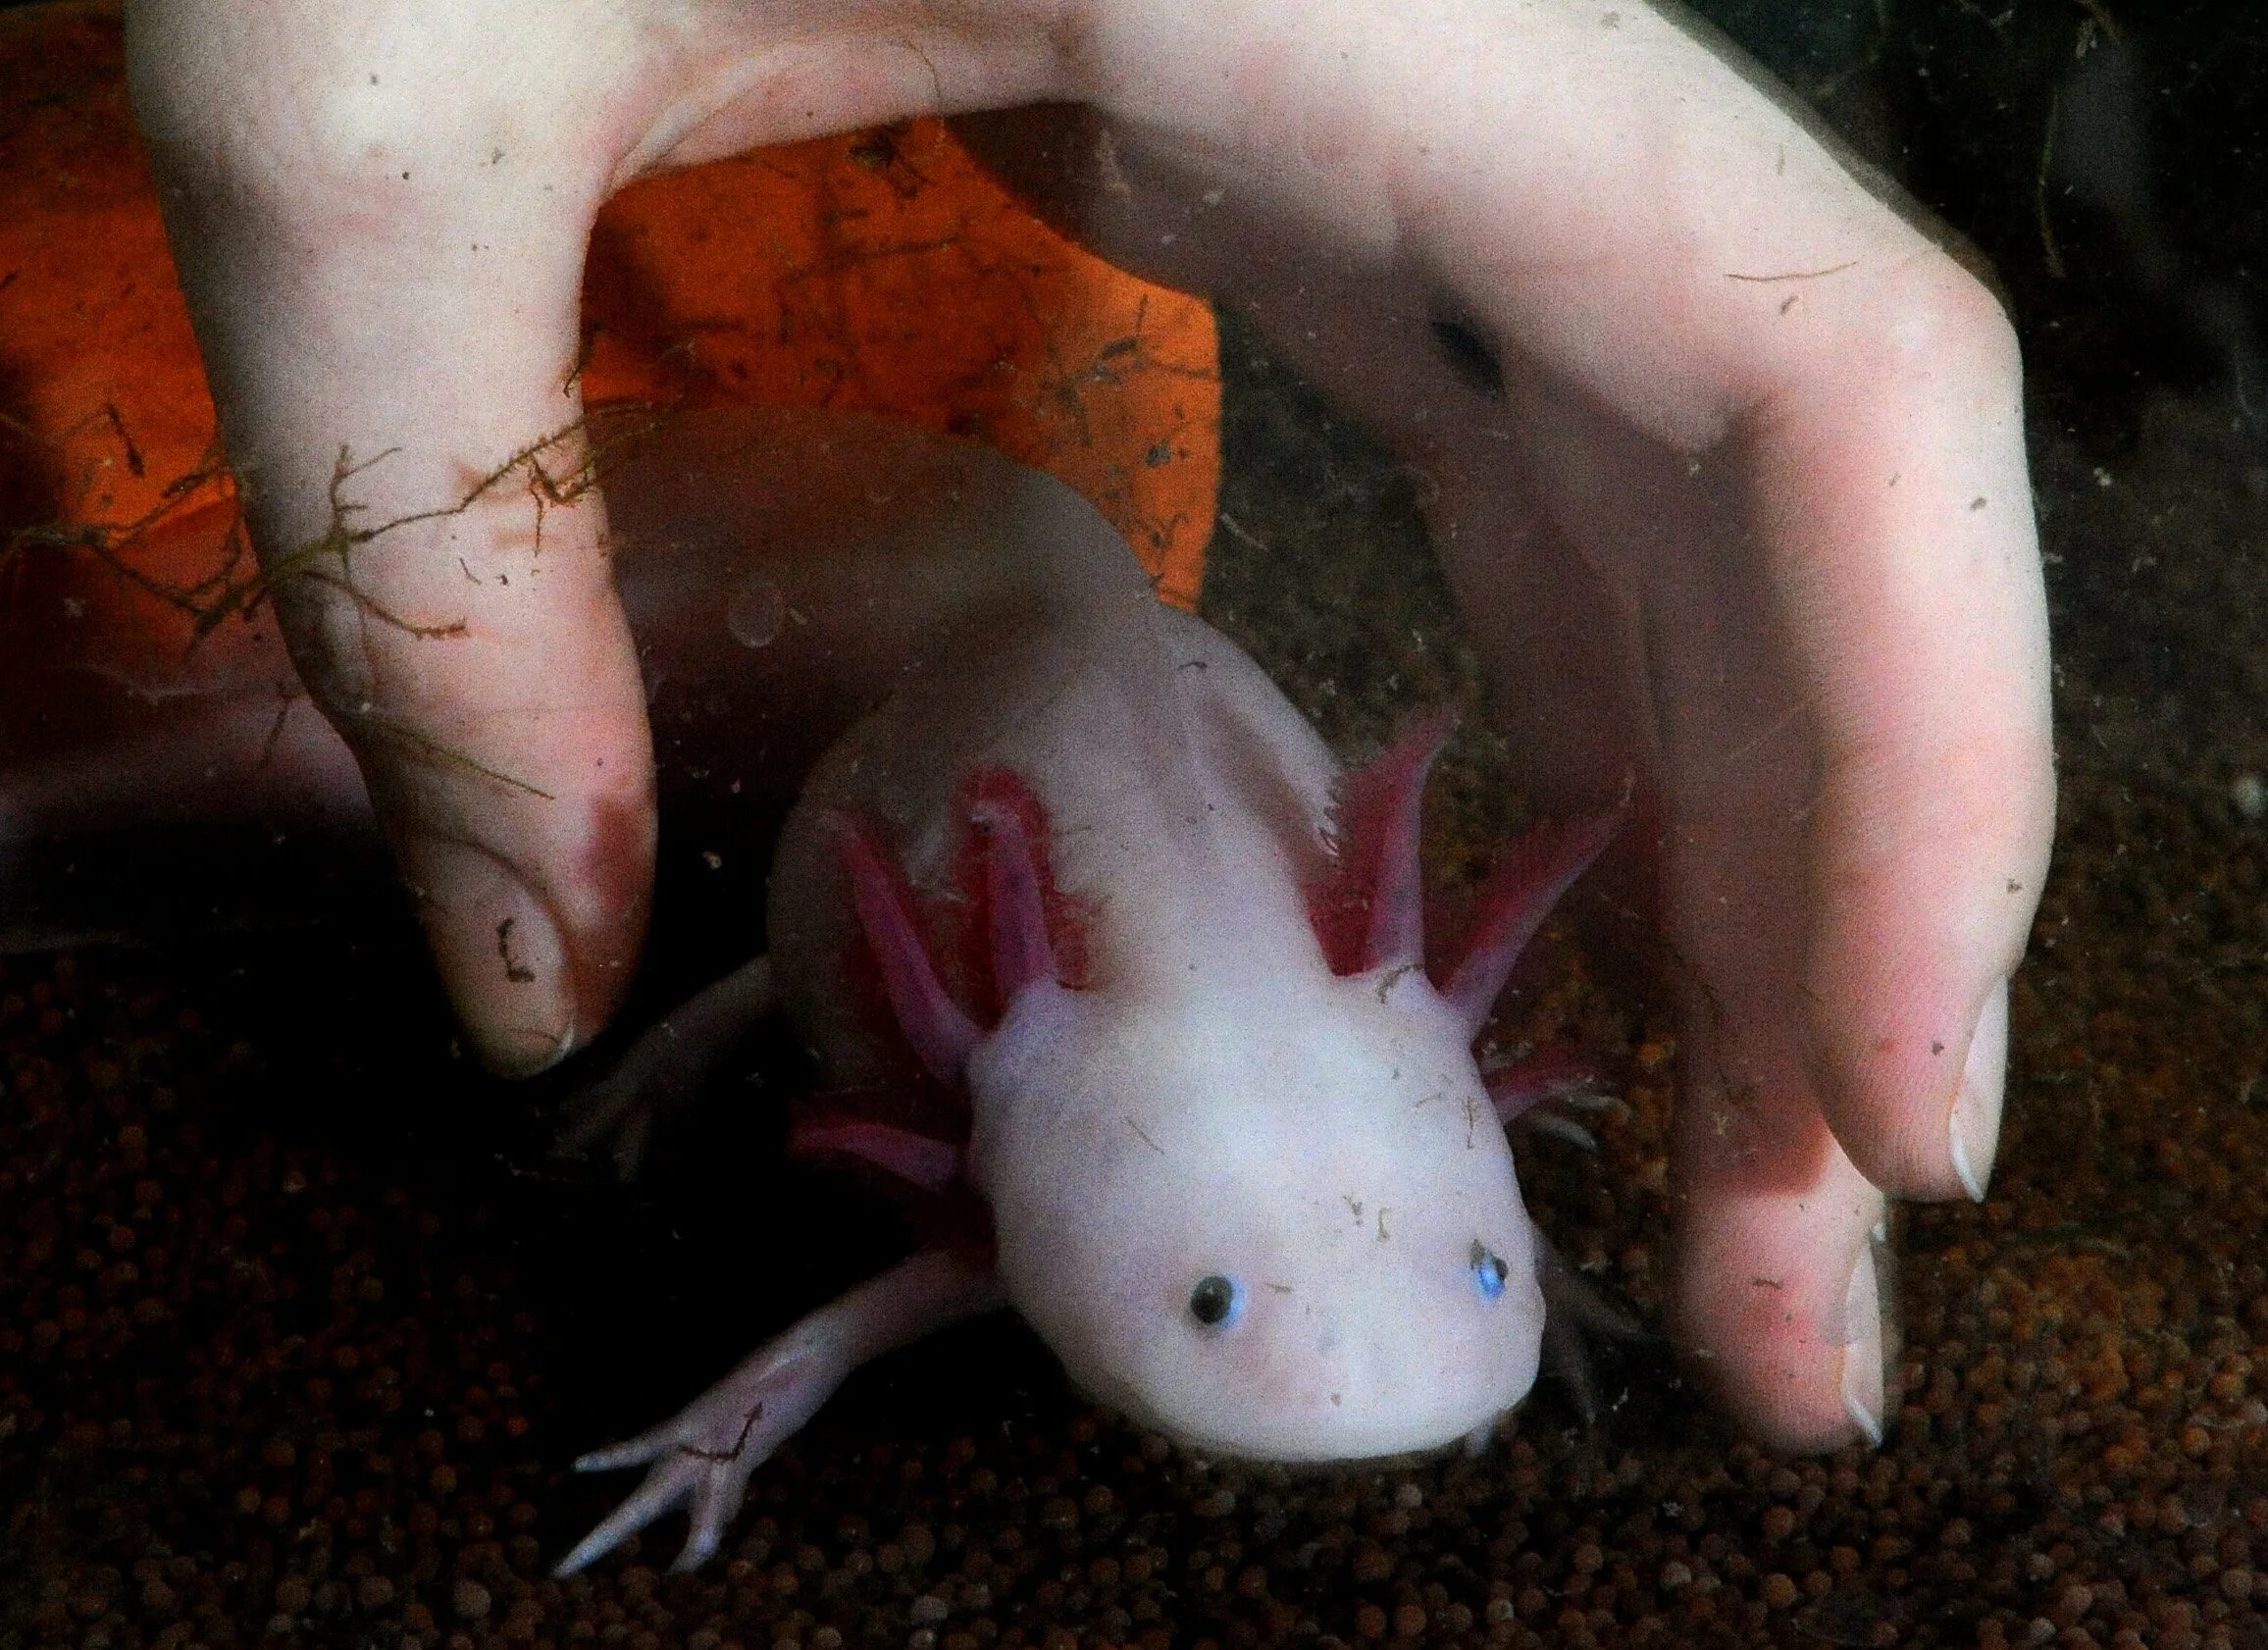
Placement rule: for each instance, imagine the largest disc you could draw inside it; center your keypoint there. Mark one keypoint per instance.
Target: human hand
(1732, 488)
(1725, 463)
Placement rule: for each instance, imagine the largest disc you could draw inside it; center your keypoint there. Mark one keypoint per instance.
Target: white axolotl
(1075, 858)
(1244, 1174)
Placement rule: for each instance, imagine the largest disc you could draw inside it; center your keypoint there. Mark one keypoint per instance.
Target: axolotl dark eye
(1488, 1271)
(1217, 1301)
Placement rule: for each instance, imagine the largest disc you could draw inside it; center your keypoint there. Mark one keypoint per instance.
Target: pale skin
(1749, 513)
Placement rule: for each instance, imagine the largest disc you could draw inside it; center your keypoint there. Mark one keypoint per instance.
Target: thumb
(390, 329)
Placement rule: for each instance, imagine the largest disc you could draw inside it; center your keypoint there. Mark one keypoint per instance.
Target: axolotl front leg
(674, 1060)
(705, 1455)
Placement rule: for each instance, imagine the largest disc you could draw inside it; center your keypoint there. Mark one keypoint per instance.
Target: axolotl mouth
(1315, 1451)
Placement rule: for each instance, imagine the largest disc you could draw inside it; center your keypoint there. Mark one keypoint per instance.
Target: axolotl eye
(1217, 1301)
(1488, 1271)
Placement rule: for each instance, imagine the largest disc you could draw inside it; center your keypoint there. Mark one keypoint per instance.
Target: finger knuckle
(1933, 310)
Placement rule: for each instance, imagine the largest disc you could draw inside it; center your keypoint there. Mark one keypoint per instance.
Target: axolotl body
(1245, 1176)
(1069, 859)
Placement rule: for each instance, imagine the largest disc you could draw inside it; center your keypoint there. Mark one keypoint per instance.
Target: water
(216, 1149)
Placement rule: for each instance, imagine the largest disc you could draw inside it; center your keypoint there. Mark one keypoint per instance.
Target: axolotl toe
(1090, 871)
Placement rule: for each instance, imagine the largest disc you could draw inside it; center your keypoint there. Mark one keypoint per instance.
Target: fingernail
(1862, 1370)
(1973, 1132)
(499, 954)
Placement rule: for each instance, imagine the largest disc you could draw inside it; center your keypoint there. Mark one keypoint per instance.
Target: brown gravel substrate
(298, 1324)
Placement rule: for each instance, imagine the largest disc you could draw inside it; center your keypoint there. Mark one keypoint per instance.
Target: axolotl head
(1285, 1228)
(1264, 1202)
